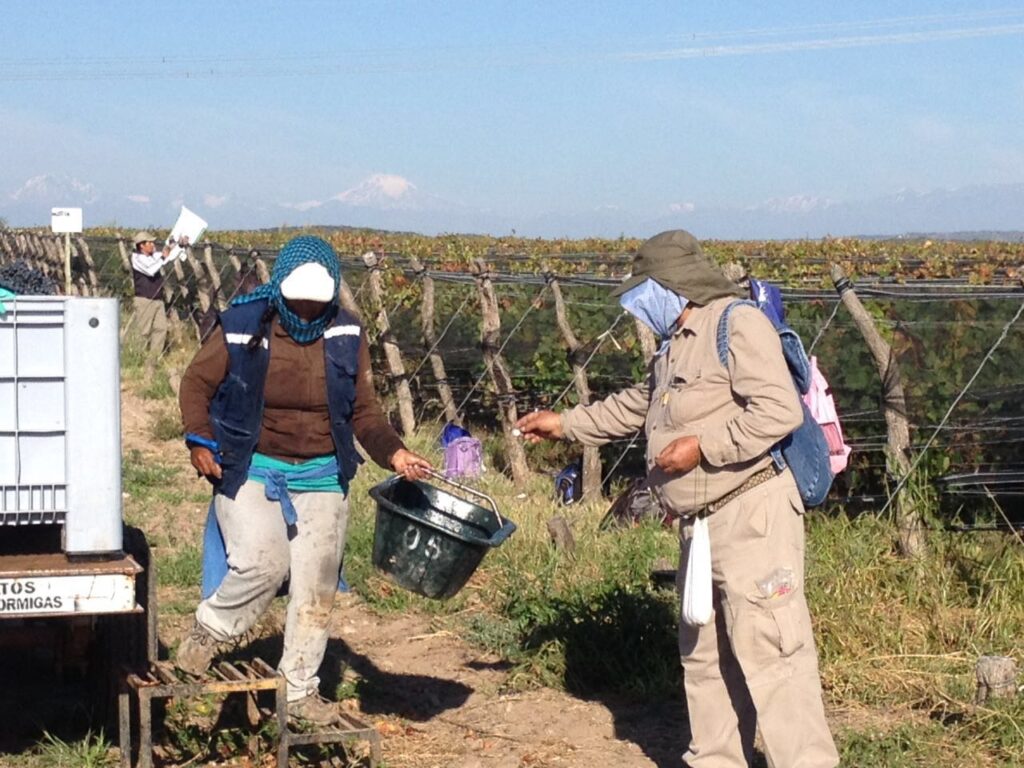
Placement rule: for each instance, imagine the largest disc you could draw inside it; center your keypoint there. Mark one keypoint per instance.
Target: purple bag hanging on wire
(463, 457)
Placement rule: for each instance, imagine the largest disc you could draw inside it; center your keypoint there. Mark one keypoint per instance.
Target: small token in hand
(517, 432)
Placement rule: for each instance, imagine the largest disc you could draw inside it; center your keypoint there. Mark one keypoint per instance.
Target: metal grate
(162, 680)
(32, 504)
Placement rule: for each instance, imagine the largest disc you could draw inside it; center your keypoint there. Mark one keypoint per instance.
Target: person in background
(709, 430)
(149, 317)
(272, 404)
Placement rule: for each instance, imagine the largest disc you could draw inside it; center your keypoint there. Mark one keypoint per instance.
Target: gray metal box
(60, 419)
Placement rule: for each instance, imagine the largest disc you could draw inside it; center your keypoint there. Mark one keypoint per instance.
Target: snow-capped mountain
(393, 202)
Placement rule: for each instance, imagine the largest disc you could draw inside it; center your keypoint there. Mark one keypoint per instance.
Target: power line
(392, 59)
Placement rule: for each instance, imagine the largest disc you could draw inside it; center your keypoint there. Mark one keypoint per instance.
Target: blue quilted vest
(236, 412)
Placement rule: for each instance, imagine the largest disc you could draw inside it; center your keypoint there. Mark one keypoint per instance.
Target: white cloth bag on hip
(697, 587)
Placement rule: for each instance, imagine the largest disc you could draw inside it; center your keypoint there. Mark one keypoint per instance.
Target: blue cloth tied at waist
(317, 475)
(278, 482)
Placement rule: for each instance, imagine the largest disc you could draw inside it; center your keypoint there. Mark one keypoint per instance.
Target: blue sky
(547, 118)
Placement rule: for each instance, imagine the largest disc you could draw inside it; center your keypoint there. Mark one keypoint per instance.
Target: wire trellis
(986, 431)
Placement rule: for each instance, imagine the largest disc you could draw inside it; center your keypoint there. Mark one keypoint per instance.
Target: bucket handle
(474, 491)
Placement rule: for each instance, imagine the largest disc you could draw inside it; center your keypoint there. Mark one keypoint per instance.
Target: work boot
(196, 651)
(315, 710)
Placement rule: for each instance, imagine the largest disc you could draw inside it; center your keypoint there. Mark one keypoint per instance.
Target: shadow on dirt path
(416, 697)
(619, 651)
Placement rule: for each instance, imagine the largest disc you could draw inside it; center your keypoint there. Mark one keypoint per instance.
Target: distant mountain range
(1000, 237)
(392, 202)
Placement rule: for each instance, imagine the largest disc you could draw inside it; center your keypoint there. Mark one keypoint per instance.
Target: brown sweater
(296, 426)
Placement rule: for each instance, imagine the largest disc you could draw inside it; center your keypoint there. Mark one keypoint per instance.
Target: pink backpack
(822, 406)
(463, 457)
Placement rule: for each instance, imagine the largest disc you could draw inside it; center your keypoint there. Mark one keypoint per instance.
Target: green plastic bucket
(429, 541)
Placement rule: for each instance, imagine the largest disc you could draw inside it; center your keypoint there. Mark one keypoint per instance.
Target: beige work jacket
(737, 414)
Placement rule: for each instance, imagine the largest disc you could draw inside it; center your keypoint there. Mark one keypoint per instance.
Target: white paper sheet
(188, 224)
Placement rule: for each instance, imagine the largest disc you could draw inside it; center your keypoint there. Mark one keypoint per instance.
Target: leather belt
(756, 479)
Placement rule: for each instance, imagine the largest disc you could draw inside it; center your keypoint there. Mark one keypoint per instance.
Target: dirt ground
(436, 700)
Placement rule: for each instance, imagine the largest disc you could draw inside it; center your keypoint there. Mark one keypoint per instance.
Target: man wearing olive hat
(709, 431)
(149, 315)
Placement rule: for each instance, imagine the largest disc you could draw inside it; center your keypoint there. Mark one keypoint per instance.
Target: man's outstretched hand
(540, 425)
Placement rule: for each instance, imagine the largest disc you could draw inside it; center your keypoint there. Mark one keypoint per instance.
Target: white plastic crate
(60, 419)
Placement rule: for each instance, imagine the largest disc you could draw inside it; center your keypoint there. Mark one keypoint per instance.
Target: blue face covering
(654, 305)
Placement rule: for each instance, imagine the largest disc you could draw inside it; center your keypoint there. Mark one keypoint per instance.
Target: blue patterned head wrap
(296, 252)
(655, 306)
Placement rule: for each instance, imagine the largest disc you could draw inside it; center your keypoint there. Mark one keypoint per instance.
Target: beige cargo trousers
(149, 325)
(754, 665)
(262, 552)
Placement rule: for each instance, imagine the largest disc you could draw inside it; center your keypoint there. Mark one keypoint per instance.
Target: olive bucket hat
(676, 260)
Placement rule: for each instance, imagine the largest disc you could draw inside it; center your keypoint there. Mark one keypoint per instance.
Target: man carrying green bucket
(272, 405)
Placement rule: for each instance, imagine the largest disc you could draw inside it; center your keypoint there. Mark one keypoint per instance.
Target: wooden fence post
(78, 276)
(126, 260)
(5, 245)
(90, 266)
(262, 272)
(52, 251)
(43, 253)
(444, 391)
(216, 290)
(577, 359)
(174, 281)
(203, 283)
(490, 335)
(127, 306)
(236, 264)
(909, 523)
(648, 344)
(348, 300)
(997, 678)
(248, 275)
(392, 355)
(25, 251)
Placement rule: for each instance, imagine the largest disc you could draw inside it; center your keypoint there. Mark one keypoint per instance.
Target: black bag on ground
(634, 505)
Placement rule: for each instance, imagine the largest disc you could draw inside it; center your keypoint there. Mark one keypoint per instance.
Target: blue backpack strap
(722, 337)
(796, 358)
(722, 342)
(804, 450)
(792, 347)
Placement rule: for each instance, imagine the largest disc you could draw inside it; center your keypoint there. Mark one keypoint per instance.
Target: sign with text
(66, 220)
(94, 593)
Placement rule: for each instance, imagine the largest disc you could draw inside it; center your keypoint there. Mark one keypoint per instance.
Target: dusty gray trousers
(261, 554)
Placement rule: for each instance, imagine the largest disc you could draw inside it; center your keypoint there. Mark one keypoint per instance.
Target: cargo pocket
(795, 501)
(752, 520)
(780, 623)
